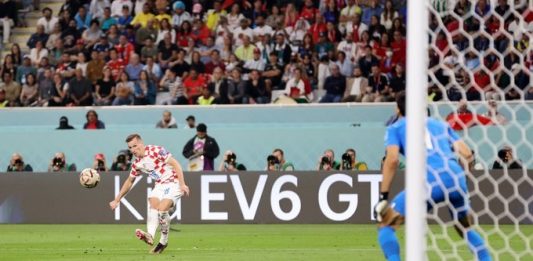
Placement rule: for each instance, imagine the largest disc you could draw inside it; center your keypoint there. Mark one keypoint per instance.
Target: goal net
(479, 81)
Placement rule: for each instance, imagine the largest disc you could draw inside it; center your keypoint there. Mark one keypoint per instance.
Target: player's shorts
(170, 191)
(453, 191)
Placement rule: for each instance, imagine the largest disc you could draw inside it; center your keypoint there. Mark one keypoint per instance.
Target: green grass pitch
(229, 242)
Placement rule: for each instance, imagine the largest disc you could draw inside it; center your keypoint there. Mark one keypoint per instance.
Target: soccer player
(445, 180)
(169, 186)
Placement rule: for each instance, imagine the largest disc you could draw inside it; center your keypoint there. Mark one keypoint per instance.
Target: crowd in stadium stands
(101, 52)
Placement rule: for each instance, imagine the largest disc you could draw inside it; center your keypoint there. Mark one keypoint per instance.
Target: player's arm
(126, 187)
(464, 152)
(179, 171)
(392, 159)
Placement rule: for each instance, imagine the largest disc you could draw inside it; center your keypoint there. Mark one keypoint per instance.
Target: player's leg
(152, 222)
(392, 218)
(459, 211)
(164, 221)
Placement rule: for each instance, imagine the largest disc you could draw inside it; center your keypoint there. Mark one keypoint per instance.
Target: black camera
(101, 165)
(272, 160)
(18, 162)
(346, 161)
(325, 161)
(121, 159)
(58, 162)
(231, 159)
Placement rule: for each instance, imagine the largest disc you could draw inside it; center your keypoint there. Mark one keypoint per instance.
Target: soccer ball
(89, 178)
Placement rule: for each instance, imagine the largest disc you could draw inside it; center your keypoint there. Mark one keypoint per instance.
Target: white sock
(164, 221)
(152, 221)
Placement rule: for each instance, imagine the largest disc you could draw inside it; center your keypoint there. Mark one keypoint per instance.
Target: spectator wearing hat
(63, 124)
(180, 15)
(118, 6)
(11, 88)
(142, 18)
(47, 21)
(99, 163)
(201, 150)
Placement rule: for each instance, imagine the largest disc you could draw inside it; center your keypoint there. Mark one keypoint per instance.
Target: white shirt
(116, 7)
(356, 86)
(48, 24)
(36, 56)
(350, 49)
(239, 31)
(161, 35)
(234, 20)
(154, 164)
(263, 30)
(255, 64)
(178, 19)
(97, 8)
(83, 67)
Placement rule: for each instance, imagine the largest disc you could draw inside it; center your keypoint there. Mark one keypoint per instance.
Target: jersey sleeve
(391, 137)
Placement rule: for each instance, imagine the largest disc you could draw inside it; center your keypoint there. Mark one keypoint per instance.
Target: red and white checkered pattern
(154, 164)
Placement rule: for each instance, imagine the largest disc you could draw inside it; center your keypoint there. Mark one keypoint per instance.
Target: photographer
(276, 162)
(349, 161)
(230, 162)
(99, 163)
(17, 164)
(506, 160)
(122, 161)
(327, 161)
(59, 164)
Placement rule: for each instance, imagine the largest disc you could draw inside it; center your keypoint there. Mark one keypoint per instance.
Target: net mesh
(479, 77)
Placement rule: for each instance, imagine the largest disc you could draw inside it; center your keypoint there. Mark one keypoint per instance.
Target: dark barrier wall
(250, 197)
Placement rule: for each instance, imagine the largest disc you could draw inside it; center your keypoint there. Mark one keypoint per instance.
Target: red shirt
(194, 86)
(480, 81)
(315, 31)
(399, 51)
(308, 13)
(91, 126)
(210, 67)
(201, 34)
(116, 67)
(124, 51)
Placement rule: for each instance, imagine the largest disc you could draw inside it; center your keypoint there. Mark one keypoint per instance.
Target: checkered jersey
(154, 164)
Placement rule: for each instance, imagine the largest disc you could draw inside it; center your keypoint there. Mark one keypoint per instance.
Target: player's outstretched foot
(146, 237)
(159, 248)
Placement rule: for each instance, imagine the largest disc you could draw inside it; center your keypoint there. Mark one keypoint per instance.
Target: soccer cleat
(159, 248)
(146, 237)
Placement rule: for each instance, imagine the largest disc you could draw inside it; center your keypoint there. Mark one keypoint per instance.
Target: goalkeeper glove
(381, 206)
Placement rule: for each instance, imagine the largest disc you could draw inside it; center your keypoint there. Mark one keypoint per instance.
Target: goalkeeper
(445, 180)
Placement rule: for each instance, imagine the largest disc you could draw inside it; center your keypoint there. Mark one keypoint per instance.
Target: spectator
(335, 86)
(245, 51)
(380, 86)
(148, 31)
(191, 122)
(506, 160)
(201, 150)
(236, 88)
(124, 91)
(194, 83)
(104, 89)
(38, 53)
(99, 163)
(350, 162)
(58, 93)
(124, 17)
(48, 21)
(256, 91)
(46, 86)
(59, 164)
(374, 9)
(207, 97)
(218, 86)
(12, 89)
(397, 80)
(345, 65)
(24, 69)
(80, 90)
(273, 72)
(83, 19)
(97, 7)
(92, 35)
(149, 50)
(230, 163)
(327, 161)
(276, 162)
(145, 91)
(93, 123)
(122, 162)
(257, 63)
(167, 122)
(30, 91)
(17, 164)
(358, 88)
(494, 114)
(82, 64)
(180, 15)
(118, 7)
(107, 20)
(134, 68)
(63, 124)
(348, 48)
(8, 18)
(367, 61)
(38, 36)
(295, 87)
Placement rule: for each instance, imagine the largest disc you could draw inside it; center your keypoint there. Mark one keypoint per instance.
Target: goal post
(416, 98)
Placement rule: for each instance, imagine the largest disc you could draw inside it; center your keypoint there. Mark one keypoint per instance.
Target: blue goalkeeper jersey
(441, 159)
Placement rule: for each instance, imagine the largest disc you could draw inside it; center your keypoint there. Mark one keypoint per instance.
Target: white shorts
(170, 191)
